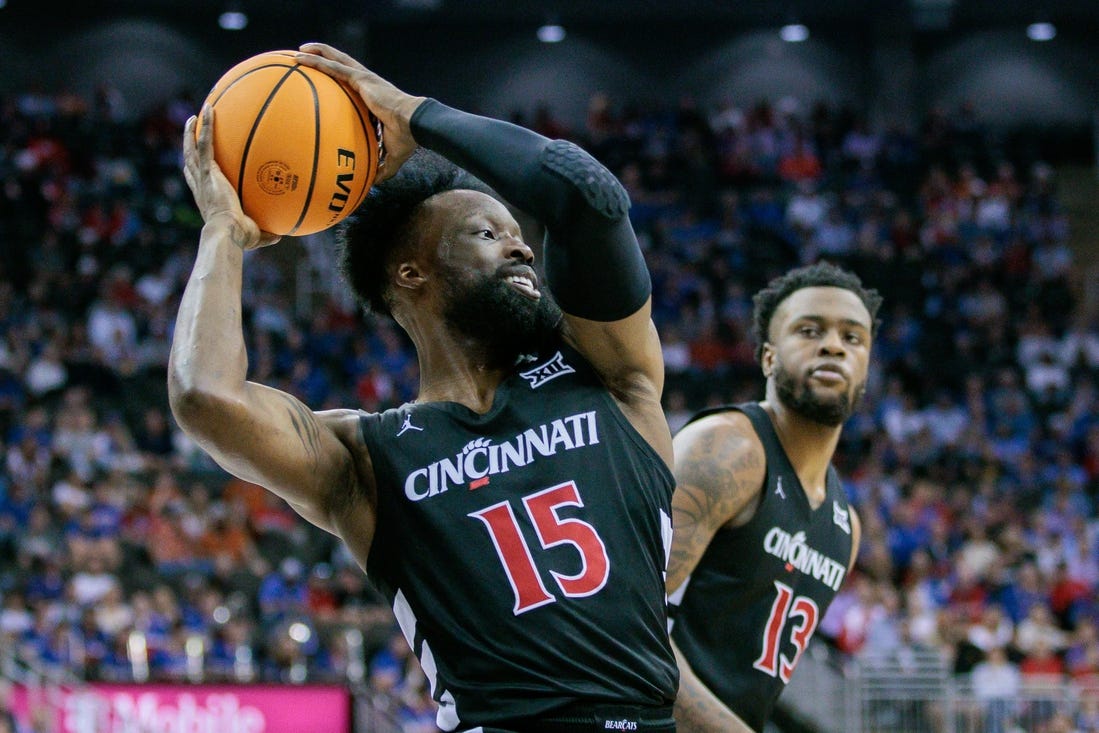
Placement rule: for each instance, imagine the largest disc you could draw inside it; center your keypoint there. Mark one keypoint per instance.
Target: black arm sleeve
(593, 263)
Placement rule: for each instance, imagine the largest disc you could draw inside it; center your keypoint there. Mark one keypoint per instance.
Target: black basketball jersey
(524, 549)
(751, 605)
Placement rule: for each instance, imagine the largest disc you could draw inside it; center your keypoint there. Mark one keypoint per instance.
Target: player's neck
(809, 445)
(453, 369)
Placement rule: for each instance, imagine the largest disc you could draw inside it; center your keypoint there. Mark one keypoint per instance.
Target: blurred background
(945, 150)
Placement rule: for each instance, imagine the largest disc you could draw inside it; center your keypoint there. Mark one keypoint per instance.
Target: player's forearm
(593, 262)
(505, 156)
(208, 358)
(697, 710)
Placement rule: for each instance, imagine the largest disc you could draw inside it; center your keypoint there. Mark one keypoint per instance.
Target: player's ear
(409, 274)
(767, 359)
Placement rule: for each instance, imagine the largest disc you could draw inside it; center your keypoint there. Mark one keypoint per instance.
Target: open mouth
(525, 285)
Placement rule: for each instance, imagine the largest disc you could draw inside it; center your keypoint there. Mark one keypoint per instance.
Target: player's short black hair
(380, 227)
(819, 275)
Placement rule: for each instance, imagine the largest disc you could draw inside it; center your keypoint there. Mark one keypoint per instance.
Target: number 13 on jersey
(786, 606)
(519, 564)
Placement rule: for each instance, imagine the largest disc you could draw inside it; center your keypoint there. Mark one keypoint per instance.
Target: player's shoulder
(342, 416)
(724, 439)
(344, 424)
(720, 456)
(730, 425)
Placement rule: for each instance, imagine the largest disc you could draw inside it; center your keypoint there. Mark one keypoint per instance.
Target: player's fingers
(206, 133)
(323, 49)
(190, 152)
(189, 138)
(336, 69)
(312, 60)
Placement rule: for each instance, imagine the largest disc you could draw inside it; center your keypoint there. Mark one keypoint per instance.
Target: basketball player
(518, 512)
(763, 534)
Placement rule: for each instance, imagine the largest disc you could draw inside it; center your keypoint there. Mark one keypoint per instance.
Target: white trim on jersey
(677, 595)
(666, 535)
(447, 717)
(406, 618)
(675, 599)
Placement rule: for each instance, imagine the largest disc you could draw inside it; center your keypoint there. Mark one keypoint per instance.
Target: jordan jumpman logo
(407, 426)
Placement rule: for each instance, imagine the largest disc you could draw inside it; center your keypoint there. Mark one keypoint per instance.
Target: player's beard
(830, 410)
(503, 322)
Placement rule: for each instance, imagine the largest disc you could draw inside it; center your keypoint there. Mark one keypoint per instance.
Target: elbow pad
(600, 189)
(594, 265)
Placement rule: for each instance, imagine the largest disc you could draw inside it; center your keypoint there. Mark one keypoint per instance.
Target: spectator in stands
(284, 593)
(1041, 666)
(91, 584)
(1023, 592)
(392, 668)
(154, 436)
(801, 163)
(992, 630)
(1042, 673)
(232, 651)
(1038, 629)
(172, 551)
(996, 682)
(227, 534)
(113, 614)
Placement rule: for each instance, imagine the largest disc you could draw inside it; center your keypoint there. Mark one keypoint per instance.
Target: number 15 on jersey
(519, 563)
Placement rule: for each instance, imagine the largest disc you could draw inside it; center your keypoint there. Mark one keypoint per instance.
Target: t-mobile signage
(187, 709)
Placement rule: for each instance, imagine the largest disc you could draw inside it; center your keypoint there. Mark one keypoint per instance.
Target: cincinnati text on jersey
(481, 458)
(793, 549)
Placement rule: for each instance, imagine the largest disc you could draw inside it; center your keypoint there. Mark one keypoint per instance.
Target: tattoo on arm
(693, 706)
(305, 425)
(697, 709)
(715, 481)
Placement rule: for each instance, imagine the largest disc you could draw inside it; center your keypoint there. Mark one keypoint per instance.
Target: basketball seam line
(247, 73)
(316, 146)
(252, 134)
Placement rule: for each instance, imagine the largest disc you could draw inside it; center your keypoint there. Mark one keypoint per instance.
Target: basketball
(300, 149)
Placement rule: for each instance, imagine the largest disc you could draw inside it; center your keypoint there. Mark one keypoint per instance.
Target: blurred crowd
(973, 460)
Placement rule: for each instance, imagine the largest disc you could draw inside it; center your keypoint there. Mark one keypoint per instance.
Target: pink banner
(99, 708)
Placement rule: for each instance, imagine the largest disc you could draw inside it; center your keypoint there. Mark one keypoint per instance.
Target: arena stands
(974, 460)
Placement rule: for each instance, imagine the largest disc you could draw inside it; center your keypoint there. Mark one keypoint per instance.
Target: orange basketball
(300, 149)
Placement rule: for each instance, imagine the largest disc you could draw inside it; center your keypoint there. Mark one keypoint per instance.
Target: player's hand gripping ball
(300, 149)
